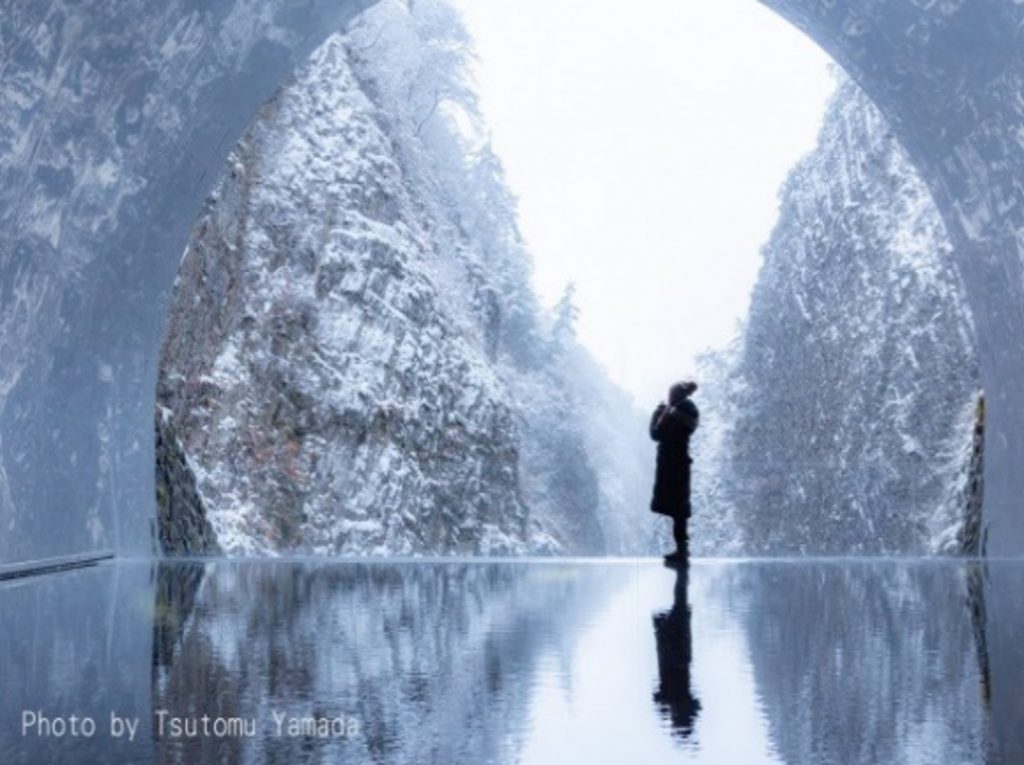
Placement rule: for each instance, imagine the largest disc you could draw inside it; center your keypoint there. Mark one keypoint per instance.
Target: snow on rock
(353, 332)
(843, 429)
(356, 363)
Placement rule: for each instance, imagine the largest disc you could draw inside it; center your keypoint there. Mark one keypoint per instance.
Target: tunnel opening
(115, 118)
(331, 313)
(86, 273)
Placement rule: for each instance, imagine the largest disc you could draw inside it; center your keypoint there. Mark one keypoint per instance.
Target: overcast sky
(647, 142)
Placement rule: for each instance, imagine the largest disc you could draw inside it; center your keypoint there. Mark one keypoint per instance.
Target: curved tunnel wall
(949, 76)
(115, 119)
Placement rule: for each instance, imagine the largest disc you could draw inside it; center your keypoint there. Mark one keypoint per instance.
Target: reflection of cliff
(433, 661)
(999, 616)
(979, 623)
(866, 663)
(177, 585)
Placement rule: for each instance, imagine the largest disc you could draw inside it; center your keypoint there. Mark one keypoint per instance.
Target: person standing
(671, 426)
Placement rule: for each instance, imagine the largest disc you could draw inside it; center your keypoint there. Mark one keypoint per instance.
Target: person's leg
(681, 534)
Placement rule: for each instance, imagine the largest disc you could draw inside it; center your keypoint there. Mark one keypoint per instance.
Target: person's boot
(677, 557)
(682, 539)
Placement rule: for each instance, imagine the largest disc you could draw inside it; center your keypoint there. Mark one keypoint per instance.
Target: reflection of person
(671, 426)
(674, 695)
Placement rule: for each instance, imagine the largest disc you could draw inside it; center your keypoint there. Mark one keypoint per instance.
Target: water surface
(515, 661)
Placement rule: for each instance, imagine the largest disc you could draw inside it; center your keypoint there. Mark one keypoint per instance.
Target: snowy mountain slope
(854, 384)
(355, 362)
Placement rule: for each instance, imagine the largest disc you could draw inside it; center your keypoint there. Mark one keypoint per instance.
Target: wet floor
(509, 662)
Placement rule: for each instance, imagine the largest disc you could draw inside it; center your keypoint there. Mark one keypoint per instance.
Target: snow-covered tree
(565, 315)
(356, 359)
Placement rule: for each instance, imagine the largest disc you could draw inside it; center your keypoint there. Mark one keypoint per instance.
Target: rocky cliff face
(853, 389)
(350, 365)
(182, 524)
(355, 362)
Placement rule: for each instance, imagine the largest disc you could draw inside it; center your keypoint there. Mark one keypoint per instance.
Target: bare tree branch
(433, 109)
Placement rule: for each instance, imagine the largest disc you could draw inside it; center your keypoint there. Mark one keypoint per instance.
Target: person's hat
(681, 390)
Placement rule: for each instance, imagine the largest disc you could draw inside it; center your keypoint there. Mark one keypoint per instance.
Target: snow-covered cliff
(355, 362)
(846, 409)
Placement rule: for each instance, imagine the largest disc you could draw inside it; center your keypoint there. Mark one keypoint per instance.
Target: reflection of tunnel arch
(116, 119)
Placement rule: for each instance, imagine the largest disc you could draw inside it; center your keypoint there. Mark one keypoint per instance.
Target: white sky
(647, 142)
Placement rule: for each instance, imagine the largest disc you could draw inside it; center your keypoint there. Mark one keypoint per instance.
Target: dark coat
(671, 427)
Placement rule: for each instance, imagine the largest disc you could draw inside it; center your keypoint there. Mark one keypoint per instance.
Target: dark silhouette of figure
(672, 424)
(674, 696)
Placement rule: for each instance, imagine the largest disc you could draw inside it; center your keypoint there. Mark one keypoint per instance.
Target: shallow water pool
(553, 661)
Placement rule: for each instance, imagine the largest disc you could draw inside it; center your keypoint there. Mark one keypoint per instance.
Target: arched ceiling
(116, 117)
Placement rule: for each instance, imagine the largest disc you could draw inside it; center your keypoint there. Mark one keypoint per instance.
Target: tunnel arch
(117, 119)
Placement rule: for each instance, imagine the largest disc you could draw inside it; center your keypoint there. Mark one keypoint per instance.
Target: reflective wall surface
(116, 117)
(546, 662)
